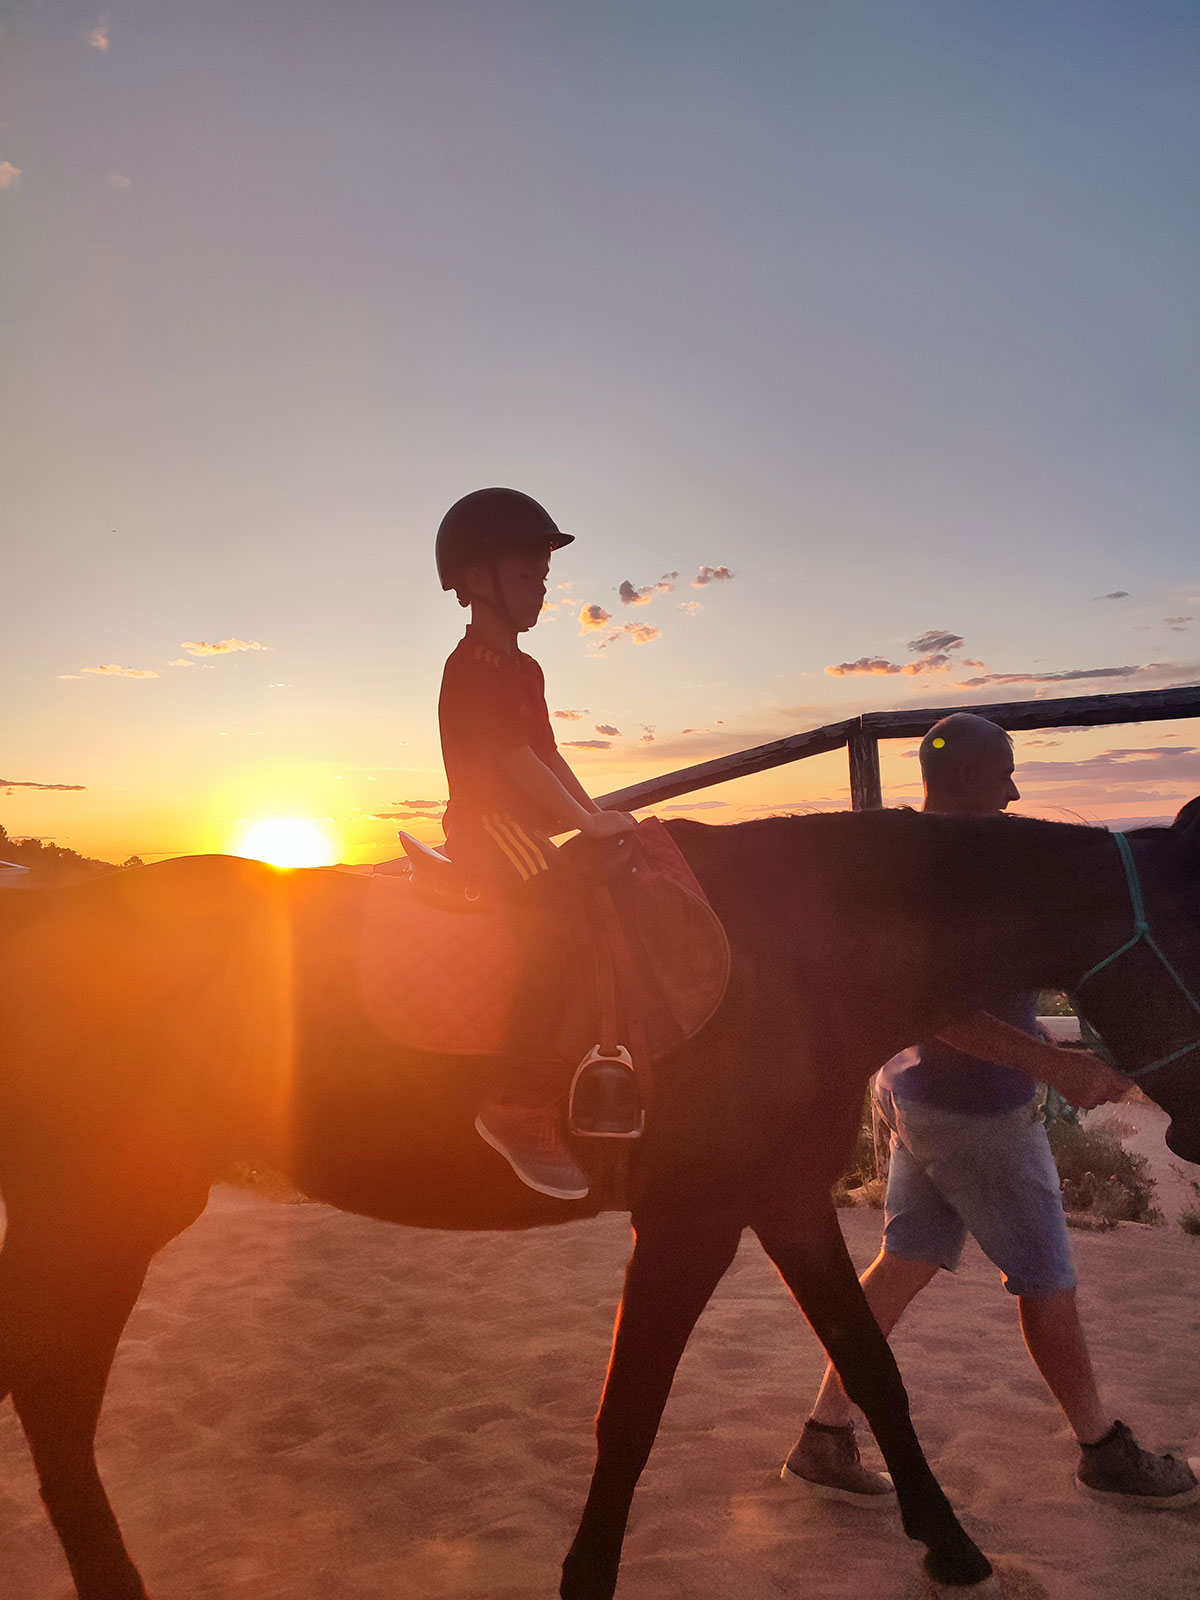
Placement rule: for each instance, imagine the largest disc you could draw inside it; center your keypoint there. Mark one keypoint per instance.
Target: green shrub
(1054, 1003)
(1189, 1216)
(1102, 1182)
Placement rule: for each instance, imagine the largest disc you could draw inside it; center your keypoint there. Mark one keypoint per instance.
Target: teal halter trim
(1141, 935)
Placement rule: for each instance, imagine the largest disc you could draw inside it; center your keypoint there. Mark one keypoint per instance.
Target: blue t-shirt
(955, 1081)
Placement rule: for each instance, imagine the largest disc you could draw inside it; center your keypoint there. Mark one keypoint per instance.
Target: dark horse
(158, 1024)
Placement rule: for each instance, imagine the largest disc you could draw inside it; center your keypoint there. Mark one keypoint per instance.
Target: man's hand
(1082, 1078)
(606, 824)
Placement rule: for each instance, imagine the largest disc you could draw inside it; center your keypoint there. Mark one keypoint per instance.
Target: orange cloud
(112, 670)
(712, 575)
(870, 665)
(633, 596)
(200, 647)
(23, 783)
(571, 716)
(593, 617)
(8, 174)
(98, 38)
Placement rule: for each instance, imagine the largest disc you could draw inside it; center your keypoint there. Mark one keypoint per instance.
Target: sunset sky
(855, 342)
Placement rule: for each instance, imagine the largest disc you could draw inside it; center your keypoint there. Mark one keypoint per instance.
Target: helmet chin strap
(498, 604)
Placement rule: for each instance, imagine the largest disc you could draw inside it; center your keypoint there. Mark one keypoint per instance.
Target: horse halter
(1141, 934)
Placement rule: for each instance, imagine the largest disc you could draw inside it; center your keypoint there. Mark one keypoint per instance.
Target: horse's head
(1143, 998)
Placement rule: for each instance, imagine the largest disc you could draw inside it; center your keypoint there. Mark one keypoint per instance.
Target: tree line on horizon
(55, 863)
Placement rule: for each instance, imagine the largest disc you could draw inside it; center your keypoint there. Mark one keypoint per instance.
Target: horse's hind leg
(66, 1289)
(672, 1274)
(806, 1244)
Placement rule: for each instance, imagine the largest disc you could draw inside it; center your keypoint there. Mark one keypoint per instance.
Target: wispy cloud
(631, 595)
(8, 174)
(692, 607)
(118, 180)
(934, 650)
(567, 715)
(224, 647)
(99, 36)
(935, 640)
(111, 670)
(698, 805)
(1116, 594)
(24, 783)
(1074, 674)
(608, 730)
(708, 575)
(1178, 624)
(589, 744)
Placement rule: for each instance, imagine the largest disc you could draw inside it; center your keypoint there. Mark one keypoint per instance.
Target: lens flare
(288, 842)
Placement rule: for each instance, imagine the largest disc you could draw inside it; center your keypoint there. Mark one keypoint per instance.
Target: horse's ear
(1187, 826)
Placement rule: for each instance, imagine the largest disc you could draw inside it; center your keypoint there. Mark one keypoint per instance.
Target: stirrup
(605, 1100)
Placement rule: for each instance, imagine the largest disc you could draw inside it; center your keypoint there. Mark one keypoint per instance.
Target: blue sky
(890, 310)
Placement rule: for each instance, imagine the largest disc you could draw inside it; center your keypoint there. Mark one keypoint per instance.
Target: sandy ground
(310, 1406)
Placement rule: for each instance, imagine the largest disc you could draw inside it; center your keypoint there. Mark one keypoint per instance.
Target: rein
(1142, 934)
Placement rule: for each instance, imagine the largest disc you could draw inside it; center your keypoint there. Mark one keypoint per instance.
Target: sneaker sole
(829, 1491)
(530, 1182)
(1147, 1502)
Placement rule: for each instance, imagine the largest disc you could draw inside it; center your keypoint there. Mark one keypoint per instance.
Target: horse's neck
(905, 915)
(1027, 904)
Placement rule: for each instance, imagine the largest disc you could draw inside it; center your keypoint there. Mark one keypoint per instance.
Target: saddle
(440, 966)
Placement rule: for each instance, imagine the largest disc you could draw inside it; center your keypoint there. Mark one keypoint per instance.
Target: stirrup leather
(605, 1101)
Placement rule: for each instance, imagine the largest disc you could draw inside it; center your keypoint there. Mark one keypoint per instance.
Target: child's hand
(607, 824)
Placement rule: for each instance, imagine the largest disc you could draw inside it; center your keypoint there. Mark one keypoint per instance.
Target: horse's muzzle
(1183, 1140)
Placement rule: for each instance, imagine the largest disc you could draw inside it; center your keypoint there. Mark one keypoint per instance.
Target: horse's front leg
(674, 1269)
(806, 1244)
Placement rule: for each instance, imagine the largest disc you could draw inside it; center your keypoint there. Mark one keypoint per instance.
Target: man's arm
(1079, 1076)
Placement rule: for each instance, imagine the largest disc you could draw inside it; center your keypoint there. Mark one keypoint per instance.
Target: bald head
(967, 765)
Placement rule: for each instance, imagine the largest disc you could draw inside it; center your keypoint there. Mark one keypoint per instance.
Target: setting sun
(288, 842)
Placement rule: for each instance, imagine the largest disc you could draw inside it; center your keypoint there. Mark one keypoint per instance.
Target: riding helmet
(490, 523)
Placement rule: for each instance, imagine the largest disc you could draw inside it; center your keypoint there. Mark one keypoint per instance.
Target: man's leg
(1054, 1338)
(890, 1284)
(921, 1234)
(999, 1174)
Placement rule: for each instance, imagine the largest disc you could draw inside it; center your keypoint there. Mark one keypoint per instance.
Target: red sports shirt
(491, 704)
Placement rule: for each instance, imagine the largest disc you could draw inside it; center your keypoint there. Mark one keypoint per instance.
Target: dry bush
(1102, 1182)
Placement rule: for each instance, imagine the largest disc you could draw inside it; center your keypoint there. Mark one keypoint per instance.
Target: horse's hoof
(987, 1589)
(949, 1571)
(584, 1579)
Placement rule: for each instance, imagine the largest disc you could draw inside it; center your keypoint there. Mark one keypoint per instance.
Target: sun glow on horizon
(288, 842)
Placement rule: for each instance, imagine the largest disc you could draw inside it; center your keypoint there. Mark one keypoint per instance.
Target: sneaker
(530, 1140)
(826, 1463)
(1117, 1469)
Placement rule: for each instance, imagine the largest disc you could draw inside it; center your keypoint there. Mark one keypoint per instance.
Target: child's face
(523, 586)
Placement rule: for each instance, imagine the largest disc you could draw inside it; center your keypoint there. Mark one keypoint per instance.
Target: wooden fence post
(866, 792)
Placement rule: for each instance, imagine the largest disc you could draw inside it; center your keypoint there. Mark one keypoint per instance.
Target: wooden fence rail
(861, 736)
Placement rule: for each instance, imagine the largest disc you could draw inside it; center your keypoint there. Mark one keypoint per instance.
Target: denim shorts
(993, 1176)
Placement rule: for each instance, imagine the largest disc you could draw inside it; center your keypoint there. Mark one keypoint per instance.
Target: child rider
(510, 790)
